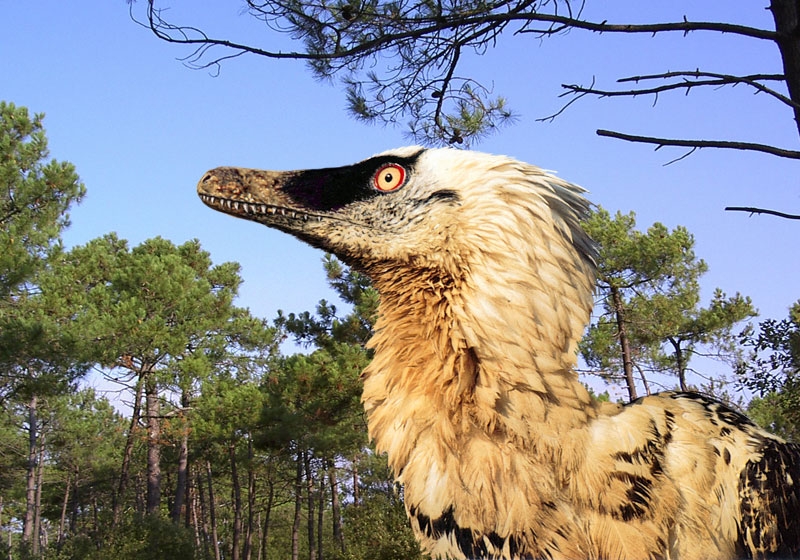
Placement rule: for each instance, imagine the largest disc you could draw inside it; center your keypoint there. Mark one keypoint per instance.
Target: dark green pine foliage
(650, 318)
(36, 338)
(35, 195)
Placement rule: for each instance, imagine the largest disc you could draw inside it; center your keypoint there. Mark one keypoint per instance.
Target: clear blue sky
(142, 128)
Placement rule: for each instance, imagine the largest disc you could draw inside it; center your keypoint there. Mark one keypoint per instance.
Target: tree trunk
(786, 14)
(2, 505)
(251, 502)
(124, 473)
(153, 445)
(680, 362)
(338, 534)
(622, 332)
(202, 526)
(645, 383)
(30, 485)
(356, 493)
(62, 522)
(236, 498)
(183, 466)
(298, 507)
(262, 550)
(191, 499)
(96, 523)
(312, 543)
(37, 507)
(320, 515)
(194, 521)
(73, 514)
(212, 509)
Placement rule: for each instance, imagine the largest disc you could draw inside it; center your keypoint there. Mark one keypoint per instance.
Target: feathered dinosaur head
(499, 239)
(429, 207)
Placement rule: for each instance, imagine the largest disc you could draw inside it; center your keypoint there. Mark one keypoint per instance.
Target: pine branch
(485, 24)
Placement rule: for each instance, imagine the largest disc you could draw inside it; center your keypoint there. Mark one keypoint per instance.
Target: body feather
(486, 281)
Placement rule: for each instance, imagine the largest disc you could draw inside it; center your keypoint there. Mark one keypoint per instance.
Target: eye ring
(389, 177)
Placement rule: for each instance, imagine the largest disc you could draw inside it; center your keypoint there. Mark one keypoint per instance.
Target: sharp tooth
(283, 211)
(294, 214)
(263, 208)
(272, 210)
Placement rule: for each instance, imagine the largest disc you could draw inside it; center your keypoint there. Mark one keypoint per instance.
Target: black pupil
(388, 177)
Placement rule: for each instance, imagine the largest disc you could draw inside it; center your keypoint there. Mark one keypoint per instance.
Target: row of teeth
(253, 208)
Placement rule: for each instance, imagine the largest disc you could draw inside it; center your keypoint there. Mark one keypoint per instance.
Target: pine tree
(651, 319)
(160, 318)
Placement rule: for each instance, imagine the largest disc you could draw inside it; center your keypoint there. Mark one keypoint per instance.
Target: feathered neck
(482, 349)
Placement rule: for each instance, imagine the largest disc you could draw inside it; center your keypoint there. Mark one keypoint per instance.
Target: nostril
(206, 178)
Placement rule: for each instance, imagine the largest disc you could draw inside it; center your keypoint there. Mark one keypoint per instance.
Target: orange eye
(389, 178)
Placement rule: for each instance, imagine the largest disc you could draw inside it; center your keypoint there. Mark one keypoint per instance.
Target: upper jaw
(252, 194)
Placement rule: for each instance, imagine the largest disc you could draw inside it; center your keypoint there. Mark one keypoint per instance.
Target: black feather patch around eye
(336, 187)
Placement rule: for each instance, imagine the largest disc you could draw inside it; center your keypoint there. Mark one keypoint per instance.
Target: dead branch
(684, 26)
(697, 144)
(752, 211)
(690, 79)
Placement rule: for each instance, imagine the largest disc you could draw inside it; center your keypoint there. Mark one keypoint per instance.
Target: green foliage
(151, 302)
(314, 399)
(84, 436)
(772, 370)
(37, 338)
(148, 537)
(378, 529)
(39, 348)
(775, 359)
(778, 412)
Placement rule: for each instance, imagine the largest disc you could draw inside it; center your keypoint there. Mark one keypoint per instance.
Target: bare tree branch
(690, 79)
(762, 211)
(684, 26)
(696, 144)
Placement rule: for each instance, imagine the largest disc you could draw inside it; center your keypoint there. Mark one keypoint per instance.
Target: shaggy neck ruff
(446, 400)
